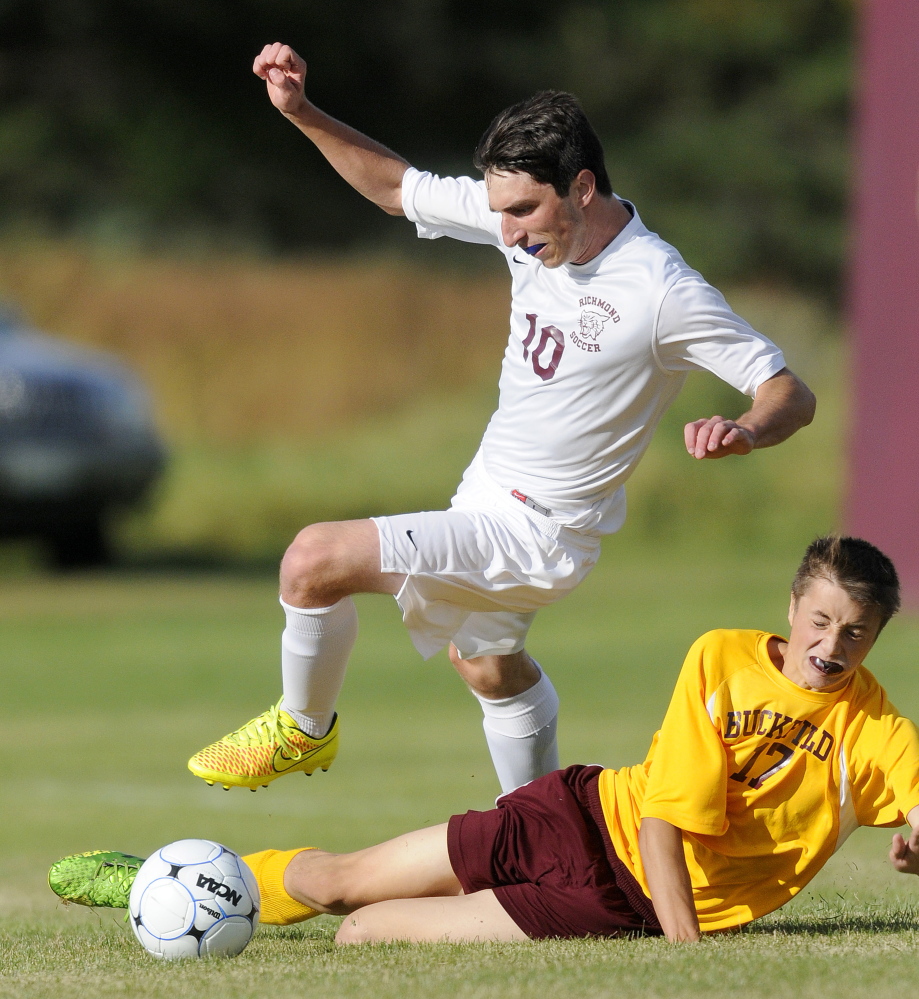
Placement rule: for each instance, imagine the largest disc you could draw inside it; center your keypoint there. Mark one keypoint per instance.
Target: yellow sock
(278, 908)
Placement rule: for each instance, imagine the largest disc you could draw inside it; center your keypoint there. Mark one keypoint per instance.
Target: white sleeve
(698, 331)
(449, 206)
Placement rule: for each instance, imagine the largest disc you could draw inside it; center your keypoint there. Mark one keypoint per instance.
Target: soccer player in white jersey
(606, 321)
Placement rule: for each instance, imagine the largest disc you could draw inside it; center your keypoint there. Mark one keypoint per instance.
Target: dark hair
(547, 136)
(863, 571)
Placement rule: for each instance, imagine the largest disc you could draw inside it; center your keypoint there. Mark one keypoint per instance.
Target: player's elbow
(807, 404)
(812, 404)
(795, 402)
(388, 193)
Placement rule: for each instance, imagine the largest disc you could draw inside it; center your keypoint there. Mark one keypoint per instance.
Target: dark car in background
(77, 443)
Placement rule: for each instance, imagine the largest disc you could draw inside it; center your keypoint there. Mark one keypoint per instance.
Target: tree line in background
(139, 121)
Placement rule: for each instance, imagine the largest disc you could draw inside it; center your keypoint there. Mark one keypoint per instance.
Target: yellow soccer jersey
(765, 779)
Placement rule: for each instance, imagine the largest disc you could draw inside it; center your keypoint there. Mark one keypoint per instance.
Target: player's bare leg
(404, 889)
(476, 918)
(415, 865)
(521, 713)
(327, 562)
(497, 677)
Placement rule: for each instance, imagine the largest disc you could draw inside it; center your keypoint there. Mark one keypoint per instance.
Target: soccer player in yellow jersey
(772, 751)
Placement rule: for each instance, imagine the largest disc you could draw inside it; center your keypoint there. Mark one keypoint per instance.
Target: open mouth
(534, 249)
(826, 667)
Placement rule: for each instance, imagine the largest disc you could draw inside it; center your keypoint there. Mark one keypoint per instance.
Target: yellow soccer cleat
(264, 749)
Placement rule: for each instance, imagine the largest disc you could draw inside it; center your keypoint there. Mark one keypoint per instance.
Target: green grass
(111, 682)
(851, 960)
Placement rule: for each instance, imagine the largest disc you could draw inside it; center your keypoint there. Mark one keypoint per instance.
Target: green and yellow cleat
(100, 877)
(264, 749)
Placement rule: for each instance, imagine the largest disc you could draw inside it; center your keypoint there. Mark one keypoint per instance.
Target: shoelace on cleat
(121, 870)
(267, 727)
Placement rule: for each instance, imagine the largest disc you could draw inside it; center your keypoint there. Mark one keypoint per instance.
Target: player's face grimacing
(535, 219)
(830, 636)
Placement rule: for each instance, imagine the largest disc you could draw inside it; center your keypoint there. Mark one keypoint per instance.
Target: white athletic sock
(315, 647)
(520, 732)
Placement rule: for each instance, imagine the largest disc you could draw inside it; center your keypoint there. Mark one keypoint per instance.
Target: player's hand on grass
(717, 437)
(284, 72)
(904, 853)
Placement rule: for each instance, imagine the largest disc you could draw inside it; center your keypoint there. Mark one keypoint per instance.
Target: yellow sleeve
(885, 767)
(687, 782)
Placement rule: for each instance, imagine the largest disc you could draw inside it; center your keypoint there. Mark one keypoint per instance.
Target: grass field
(110, 682)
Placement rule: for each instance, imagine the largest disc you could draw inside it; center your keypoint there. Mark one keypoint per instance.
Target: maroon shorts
(545, 851)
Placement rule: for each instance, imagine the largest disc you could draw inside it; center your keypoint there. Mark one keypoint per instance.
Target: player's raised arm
(661, 846)
(370, 168)
(782, 406)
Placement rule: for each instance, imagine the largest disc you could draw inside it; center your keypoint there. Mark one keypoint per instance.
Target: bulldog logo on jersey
(595, 314)
(591, 323)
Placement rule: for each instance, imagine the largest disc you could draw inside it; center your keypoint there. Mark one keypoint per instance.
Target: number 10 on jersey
(547, 335)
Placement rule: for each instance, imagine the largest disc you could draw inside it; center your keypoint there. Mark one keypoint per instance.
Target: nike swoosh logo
(410, 538)
(516, 261)
(281, 761)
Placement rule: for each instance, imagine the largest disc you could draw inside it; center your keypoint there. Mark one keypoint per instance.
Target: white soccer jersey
(597, 352)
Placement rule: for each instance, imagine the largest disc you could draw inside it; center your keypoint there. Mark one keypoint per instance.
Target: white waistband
(476, 475)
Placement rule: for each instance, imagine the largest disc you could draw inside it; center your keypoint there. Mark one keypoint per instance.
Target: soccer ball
(194, 898)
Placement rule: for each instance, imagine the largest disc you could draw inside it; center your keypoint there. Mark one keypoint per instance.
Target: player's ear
(792, 606)
(584, 188)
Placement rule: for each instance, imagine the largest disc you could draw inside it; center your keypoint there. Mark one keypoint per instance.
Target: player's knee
(496, 676)
(308, 568)
(458, 661)
(483, 674)
(355, 929)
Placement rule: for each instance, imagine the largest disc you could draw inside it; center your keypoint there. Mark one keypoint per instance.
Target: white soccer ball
(194, 898)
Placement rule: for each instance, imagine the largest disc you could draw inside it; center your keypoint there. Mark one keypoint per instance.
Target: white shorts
(477, 573)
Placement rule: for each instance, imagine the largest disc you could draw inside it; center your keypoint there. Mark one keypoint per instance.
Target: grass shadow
(882, 918)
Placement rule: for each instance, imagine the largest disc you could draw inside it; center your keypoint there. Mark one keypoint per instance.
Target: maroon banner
(883, 472)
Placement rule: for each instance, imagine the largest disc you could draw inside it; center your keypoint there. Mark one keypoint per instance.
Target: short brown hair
(863, 571)
(547, 136)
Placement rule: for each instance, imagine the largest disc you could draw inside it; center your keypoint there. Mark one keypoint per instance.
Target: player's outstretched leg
(520, 708)
(322, 568)
(404, 889)
(475, 918)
